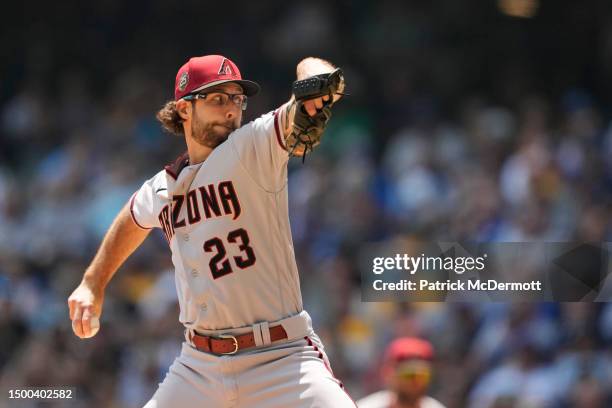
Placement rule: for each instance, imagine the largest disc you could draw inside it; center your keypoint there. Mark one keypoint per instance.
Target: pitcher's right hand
(84, 304)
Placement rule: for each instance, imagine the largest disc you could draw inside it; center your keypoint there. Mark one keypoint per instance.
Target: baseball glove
(308, 130)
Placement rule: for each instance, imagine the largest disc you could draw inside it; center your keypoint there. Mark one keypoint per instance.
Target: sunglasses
(422, 376)
(414, 371)
(219, 98)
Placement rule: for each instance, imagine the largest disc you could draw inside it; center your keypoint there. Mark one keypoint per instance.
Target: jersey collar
(175, 168)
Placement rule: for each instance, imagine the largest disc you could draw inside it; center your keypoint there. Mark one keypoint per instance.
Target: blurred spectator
(407, 371)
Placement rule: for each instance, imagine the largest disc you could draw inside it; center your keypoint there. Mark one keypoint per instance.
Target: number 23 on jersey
(220, 264)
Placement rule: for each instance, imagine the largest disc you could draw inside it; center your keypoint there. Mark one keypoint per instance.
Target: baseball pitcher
(222, 207)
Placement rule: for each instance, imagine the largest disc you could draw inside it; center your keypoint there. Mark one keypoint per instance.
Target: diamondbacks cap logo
(183, 81)
(226, 68)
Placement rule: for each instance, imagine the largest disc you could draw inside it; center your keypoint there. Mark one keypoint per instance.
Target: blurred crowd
(462, 124)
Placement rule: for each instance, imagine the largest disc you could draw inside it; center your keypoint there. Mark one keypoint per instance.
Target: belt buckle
(229, 336)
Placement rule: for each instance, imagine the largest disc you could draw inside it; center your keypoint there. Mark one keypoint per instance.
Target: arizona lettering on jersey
(234, 262)
(202, 203)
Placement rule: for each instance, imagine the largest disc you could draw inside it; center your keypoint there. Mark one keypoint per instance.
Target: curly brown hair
(170, 118)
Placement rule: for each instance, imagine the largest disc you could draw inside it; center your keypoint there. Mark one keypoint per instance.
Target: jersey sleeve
(262, 152)
(144, 204)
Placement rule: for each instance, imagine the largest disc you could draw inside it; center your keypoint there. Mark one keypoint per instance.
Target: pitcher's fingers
(310, 108)
(318, 103)
(77, 326)
(326, 98)
(86, 320)
(71, 304)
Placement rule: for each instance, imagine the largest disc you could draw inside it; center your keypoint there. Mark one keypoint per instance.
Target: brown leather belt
(228, 344)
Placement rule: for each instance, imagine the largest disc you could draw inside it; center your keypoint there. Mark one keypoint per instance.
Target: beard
(407, 398)
(211, 134)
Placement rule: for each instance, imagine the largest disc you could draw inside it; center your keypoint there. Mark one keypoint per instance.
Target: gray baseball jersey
(226, 221)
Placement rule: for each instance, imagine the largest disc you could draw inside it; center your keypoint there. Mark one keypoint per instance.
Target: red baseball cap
(407, 348)
(202, 72)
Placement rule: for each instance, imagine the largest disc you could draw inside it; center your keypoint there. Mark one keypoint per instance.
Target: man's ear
(386, 374)
(183, 108)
